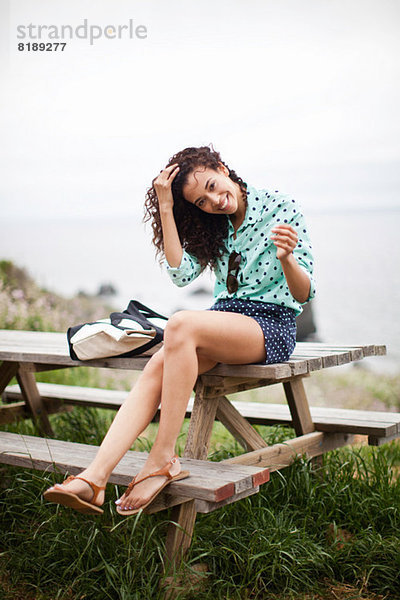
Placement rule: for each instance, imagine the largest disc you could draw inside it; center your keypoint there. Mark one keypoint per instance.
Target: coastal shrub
(25, 305)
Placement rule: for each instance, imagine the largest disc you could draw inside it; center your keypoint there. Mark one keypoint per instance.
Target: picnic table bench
(380, 427)
(210, 485)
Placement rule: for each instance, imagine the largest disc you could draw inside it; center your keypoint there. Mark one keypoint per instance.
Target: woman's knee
(179, 328)
(155, 363)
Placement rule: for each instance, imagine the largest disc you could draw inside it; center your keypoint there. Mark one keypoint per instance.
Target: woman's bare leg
(214, 337)
(130, 421)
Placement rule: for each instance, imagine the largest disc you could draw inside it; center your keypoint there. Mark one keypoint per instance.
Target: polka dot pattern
(261, 277)
(278, 324)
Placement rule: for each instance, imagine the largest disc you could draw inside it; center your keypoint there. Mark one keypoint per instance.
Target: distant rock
(106, 290)
(201, 291)
(306, 328)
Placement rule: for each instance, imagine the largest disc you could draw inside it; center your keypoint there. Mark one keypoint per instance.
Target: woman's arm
(172, 246)
(181, 266)
(285, 239)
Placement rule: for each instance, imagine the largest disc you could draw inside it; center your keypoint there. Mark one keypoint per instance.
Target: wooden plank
(221, 471)
(369, 350)
(282, 455)
(277, 371)
(238, 426)
(37, 368)
(19, 410)
(57, 341)
(320, 352)
(245, 483)
(355, 353)
(55, 361)
(50, 455)
(329, 358)
(314, 363)
(208, 481)
(221, 386)
(325, 419)
(163, 502)
(298, 366)
(167, 500)
(374, 440)
(325, 346)
(13, 412)
(49, 348)
(206, 507)
(372, 428)
(323, 412)
(72, 394)
(43, 340)
(230, 385)
(298, 405)
(380, 350)
(357, 349)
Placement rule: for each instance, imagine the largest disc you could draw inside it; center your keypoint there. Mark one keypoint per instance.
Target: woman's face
(212, 191)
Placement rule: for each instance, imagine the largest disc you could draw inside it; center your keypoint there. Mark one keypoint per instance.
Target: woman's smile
(225, 204)
(213, 191)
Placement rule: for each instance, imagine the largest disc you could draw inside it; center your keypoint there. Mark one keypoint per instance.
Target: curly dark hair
(202, 234)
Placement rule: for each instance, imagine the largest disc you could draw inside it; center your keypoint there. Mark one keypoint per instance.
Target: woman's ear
(223, 169)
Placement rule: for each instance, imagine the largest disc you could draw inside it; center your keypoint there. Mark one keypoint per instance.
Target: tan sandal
(164, 472)
(71, 500)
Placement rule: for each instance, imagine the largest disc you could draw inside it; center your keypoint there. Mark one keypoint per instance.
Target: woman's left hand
(285, 239)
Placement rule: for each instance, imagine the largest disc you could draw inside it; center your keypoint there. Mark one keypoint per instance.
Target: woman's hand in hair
(162, 185)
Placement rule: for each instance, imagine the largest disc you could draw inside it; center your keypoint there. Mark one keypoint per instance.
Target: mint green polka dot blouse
(260, 277)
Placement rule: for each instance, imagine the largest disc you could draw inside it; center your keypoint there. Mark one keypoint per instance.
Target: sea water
(357, 260)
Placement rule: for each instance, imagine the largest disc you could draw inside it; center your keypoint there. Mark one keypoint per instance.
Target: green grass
(308, 525)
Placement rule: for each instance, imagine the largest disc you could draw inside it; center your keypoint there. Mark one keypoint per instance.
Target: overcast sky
(298, 95)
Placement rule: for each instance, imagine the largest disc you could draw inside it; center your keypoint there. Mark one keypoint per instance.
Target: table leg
(8, 370)
(180, 532)
(33, 400)
(298, 405)
(238, 426)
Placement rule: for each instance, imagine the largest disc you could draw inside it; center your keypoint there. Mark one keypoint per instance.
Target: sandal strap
(95, 488)
(164, 472)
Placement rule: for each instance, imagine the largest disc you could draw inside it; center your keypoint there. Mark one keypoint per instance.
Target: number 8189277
(42, 46)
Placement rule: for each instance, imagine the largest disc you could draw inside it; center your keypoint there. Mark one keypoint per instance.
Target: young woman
(255, 241)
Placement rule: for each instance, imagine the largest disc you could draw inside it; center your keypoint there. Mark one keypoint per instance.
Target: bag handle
(145, 310)
(137, 312)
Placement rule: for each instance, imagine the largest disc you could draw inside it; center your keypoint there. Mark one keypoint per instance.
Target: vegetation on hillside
(25, 305)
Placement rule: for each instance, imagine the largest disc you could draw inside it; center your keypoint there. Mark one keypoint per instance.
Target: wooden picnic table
(25, 353)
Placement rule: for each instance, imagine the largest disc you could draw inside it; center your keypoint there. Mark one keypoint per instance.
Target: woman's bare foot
(142, 492)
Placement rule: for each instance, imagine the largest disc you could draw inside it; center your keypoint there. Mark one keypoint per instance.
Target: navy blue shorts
(278, 324)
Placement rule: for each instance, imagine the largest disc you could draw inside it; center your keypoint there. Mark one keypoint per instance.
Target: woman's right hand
(162, 185)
